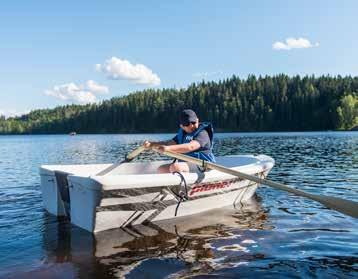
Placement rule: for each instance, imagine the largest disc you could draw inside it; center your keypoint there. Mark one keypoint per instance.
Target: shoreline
(163, 133)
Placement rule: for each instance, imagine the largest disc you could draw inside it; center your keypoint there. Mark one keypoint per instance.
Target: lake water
(278, 235)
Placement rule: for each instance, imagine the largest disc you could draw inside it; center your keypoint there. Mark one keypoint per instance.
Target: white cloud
(292, 43)
(70, 92)
(116, 68)
(96, 88)
(207, 74)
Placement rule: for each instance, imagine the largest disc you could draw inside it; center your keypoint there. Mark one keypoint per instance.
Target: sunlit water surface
(278, 235)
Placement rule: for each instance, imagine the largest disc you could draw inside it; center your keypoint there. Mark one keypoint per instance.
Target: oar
(344, 206)
(129, 157)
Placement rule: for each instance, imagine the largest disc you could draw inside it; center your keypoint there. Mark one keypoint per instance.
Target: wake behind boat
(134, 193)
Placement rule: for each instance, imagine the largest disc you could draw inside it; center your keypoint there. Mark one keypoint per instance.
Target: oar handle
(129, 157)
(344, 206)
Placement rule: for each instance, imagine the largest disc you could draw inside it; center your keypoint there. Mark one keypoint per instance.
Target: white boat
(134, 193)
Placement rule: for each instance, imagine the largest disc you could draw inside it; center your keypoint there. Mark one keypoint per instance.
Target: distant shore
(173, 132)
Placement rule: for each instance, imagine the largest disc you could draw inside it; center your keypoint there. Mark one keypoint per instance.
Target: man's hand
(162, 148)
(147, 144)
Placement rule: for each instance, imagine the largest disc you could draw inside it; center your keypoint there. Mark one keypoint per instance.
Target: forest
(263, 103)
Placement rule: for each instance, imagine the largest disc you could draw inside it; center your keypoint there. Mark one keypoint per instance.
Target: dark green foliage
(278, 103)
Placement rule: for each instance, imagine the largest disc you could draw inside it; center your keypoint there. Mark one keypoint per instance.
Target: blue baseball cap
(187, 116)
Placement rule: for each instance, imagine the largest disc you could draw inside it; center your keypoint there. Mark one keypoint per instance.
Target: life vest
(201, 153)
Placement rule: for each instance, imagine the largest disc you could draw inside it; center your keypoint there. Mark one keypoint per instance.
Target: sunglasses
(188, 124)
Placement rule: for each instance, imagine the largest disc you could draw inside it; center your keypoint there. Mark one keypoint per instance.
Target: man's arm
(148, 144)
(181, 148)
(202, 140)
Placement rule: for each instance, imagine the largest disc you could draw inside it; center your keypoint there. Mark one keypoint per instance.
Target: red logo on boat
(211, 186)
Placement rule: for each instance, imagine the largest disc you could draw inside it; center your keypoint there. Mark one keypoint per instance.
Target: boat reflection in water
(195, 244)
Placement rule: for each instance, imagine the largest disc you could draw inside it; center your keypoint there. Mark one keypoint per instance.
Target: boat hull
(125, 198)
(156, 209)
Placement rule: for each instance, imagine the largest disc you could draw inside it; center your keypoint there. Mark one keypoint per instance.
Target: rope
(260, 175)
(204, 166)
(181, 196)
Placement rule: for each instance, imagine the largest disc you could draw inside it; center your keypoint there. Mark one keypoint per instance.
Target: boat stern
(86, 194)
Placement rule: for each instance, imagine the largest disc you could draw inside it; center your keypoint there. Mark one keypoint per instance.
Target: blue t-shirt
(203, 139)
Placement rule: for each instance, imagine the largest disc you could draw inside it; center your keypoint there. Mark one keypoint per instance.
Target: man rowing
(193, 139)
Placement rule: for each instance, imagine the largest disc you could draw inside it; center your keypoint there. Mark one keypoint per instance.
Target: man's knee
(164, 169)
(180, 167)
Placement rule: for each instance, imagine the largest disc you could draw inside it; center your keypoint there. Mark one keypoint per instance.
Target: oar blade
(347, 207)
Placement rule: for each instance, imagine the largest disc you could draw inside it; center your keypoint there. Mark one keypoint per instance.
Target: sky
(62, 52)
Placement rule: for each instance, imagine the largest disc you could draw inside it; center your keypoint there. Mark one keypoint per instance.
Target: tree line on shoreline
(277, 103)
